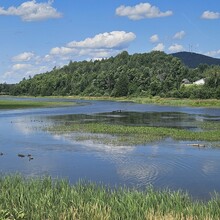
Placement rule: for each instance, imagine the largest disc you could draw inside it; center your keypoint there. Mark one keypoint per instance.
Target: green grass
(133, 135)
(44, 198)
(214, 103)
(178, 102)
(15, 104)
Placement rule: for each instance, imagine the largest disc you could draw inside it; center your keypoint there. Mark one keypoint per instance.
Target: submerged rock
(197, 145)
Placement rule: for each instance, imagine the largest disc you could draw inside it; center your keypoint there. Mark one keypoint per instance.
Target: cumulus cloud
(100, 53)
(32, 11)
(23, 57)
(210, 15)
(19, 71)
(141, 11)
(154, 38)
(100, 46)
(176, 48)
(179, 35)
(114, 39)
(214, 53)
(159, 47)
(61, 50)
(20, 66)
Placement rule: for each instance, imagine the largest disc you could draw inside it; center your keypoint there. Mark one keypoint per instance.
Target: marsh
(162, 163)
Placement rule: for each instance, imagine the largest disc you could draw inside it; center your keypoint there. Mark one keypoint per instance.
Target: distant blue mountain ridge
(193, 60)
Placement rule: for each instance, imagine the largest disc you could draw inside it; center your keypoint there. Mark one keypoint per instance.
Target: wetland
(115, 144)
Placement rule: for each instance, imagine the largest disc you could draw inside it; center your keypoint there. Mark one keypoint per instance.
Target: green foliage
(147, 74)
(44, 198)
(213, 77)
(5, 88)
(121, 86)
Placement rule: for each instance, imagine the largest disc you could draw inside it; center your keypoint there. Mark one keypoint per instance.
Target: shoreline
(206, 103)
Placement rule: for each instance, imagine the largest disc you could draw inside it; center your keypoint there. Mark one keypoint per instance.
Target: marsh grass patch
(132, 135)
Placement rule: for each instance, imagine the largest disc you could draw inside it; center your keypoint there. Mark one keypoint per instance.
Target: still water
(167, 163)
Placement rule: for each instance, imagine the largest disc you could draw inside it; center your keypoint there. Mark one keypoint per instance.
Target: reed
(44, 198)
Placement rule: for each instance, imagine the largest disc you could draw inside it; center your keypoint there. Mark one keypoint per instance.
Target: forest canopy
(147, 74)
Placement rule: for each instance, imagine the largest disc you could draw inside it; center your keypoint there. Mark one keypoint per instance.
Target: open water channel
(162, 164)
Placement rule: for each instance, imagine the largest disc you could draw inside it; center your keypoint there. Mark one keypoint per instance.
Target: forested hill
(193, 60)
(147, 74)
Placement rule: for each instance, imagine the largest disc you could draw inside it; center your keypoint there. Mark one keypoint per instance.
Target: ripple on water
(210, 168)
(142, 170)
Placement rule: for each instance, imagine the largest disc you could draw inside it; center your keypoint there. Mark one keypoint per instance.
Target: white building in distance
(199, 82)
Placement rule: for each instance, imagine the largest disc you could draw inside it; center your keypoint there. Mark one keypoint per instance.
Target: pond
(162, 164)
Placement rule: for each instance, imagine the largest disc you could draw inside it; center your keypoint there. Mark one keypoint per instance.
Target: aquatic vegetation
(15, 104)
(133, 135)
(44, 198)
(210, 125)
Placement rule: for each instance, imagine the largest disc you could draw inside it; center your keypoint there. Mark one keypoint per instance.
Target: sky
(38, 35)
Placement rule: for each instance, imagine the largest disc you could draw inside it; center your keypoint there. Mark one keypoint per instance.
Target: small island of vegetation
(21, 104)
(134, 135)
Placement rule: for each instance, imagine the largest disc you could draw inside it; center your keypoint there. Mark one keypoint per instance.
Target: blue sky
(37, 35)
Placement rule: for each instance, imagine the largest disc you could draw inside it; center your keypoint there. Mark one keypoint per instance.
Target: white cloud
(214, 53)
(19, 71)
(141, 11)
(179, 35)
(154, 38)
(176, 48)
(100, 46)
(23, 57)
(210, 15)
(159, 47)
(114, 39)
(101, 53)
(21, 66)
(61, 51)
(32, 11)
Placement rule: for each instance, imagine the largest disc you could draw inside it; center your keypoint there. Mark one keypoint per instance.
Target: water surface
(163, 164)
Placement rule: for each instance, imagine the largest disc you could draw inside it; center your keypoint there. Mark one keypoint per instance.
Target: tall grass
(43, 198)
(158, 100)
(178, 102)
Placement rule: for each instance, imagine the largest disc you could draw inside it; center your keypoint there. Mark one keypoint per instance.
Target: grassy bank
(133, 135)
(178, 102)
(15, 104)
(214, 103)
(46, 199)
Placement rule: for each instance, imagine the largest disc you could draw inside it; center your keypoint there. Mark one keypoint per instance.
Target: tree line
(147, 74)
